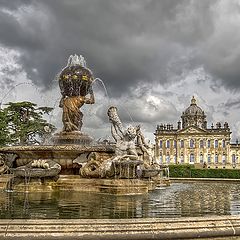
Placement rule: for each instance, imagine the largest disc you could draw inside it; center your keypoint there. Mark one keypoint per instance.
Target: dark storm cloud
(232, 104)
(126, 43)
(13, 5)
(13, 35)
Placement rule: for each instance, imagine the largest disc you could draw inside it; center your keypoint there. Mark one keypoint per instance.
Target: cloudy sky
(152, 56)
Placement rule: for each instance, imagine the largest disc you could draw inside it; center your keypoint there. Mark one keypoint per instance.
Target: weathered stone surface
(72, 138)
(48, 168)
(176, 228)
(75, 183)
(62, 154)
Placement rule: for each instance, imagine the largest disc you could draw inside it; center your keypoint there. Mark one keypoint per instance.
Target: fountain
(60, 179)
(74, 160)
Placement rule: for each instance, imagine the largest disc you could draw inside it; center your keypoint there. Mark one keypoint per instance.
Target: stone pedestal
(75, 137)
(94, 185)
(60, 153)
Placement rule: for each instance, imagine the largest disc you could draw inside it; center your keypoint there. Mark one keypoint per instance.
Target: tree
(4, 133)
(23, 123)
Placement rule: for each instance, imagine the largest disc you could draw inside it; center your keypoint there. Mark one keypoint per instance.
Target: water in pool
(178, 200)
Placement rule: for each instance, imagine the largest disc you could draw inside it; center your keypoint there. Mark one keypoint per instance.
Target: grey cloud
(125, 42)
(232, 103)
(6, 84)
(13, 5)
(141, 106)
(128, 44)
(22, 37)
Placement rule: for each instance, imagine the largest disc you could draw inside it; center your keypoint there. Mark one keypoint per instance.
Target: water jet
(123, 167)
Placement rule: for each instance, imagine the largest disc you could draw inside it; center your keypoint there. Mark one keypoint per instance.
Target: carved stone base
(75, 137)
(74, 183)
(59, 153)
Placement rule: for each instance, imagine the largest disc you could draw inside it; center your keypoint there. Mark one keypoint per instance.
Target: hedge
(189, 171)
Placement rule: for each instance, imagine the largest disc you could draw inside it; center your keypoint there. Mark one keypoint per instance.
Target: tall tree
(23, 123)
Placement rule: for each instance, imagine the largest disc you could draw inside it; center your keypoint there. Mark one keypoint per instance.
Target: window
(167, 144)
(182, 143)
(160, 159)
(216, 158)
(201, 144)
(182, 158)
(216, 143)
(224, 159)
(209, 143)
(233, 159)
(191, 143)
(175, 159)
(191, 158)
(201, 158)
(167, 159)
(175, 144)
(160, 144)
(223, 143)
(209, 158)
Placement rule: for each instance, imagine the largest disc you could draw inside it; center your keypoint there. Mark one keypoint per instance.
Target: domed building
(194, 116)
(193, 142)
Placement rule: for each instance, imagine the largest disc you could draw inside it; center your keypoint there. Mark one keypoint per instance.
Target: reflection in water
(180, 199)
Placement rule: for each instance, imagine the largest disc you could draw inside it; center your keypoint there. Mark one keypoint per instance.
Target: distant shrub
(188, 171)
(180, 170)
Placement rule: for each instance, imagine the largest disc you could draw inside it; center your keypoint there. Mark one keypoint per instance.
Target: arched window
(201, 158)
(191, 158)
(216, 158)
(167, 144)
(174, 143)
(223, 159)
(182, 158)
(209, 143)
(160, 159)
(223, 143)
(201, 143)
(175, 159)
(191, 143)
(167, 159)
(209, 158)
(233, 159)
(160, 143)
(216, 143)
(182, 143)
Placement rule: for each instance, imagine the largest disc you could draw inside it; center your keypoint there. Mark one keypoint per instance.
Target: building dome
(194, 116)
(193, 109)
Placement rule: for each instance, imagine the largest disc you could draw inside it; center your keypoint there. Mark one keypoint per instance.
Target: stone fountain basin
(21, 172)
(62, 154)
(37, 172)
(148, 173)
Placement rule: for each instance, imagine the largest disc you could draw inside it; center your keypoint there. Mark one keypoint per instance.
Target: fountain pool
(195, 199)
(74, 189)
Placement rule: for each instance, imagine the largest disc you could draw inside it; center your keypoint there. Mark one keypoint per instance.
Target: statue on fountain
(125, 145)
(125, 163)
(75, 82)
(72, 116)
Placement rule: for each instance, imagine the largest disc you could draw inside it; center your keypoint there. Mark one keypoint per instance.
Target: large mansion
(193, 142)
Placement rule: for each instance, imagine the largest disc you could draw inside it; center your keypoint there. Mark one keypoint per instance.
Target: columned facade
(192, 142)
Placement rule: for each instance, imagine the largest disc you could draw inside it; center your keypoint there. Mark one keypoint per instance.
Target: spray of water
(128, 113)
(19, 84)
(106, 92)
(103, 85)
(54, 107)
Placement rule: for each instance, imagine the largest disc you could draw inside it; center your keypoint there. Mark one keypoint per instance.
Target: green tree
(4, 133)
(23, 123)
